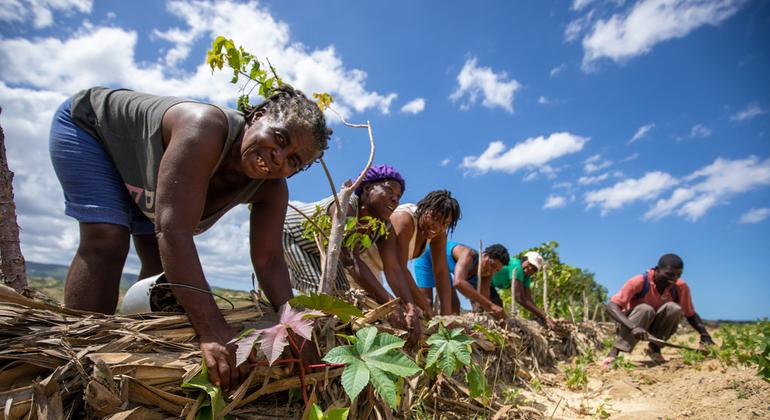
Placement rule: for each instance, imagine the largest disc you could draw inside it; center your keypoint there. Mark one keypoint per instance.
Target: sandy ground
(673, 390)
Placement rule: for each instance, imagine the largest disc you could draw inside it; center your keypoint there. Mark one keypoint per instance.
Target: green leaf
(316, 413)
(365, 339)
(351, 338)
(327, 304)
(337, 413)
(449, 349)
(354, 378)
(373, 355)
(385, 342)
(202, 381)
(350, 223)
(477, 382)
(393, 362)
(384, 386)
(341, 354)
(323, 100)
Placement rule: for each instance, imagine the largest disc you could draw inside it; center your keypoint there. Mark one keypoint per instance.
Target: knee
(645, 309)
(672, 308)
(104, 240)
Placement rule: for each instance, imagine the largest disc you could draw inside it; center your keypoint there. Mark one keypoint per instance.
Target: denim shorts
(93, 189)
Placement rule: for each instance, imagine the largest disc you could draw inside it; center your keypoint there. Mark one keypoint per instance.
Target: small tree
(12, 271)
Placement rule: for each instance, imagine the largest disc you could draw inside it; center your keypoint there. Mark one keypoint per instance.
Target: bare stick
(545, 289)
(338, 218)
(331, 183)
(478, 275)
(12, 266)
(513, 292)
(585, 307)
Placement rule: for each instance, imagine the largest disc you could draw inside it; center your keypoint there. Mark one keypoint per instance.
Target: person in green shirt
(523, 269)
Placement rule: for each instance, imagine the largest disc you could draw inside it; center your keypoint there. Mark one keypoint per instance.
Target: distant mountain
(59, 272)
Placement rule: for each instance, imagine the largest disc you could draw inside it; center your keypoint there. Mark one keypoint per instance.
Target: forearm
(529, 305)
(273, 276)
(617, 314)
(470, 292)
(697, 324)
(444, 290)
(182, 266)
(365, 278)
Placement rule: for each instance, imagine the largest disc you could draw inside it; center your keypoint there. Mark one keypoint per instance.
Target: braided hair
(441, 204)
(290, 106)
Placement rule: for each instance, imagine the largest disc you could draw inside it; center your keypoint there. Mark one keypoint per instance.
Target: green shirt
(502, 279)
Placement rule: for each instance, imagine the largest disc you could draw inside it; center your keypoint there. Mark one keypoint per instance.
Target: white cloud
(532, 152)
(751, 111)
(414, 106)
(594, 164)
(630, 157)
(646, 188)
(641, 132)
(40, 12)
(577, 26)
(445, 161)
(649, 22)
(713, 185)
(580, 4)
(557, 70)
(554, 202)
(590, 180)
(94, 55)
(542, 100)
(474, 81)
(562, 185)
(699, 130)
(105, 56)
(755, 215)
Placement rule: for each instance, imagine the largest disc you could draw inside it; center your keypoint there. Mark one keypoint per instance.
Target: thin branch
(301, 213)
(331, 184)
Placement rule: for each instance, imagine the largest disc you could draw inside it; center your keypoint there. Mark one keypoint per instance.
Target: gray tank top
(128, 124)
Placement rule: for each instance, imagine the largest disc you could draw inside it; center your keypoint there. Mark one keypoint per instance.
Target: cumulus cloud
(595, 163)
(414, 106)
(96, 55)
(40, 12)
(751, 111)
(699, 130)
(711, 186)
(495, 88)
(638, 29)
(557, 70)
(646, 188)
(641, 133)
(530, 153)
(554, 202)
(590, 180)
(105, 56)
(445, 161)
(755, 215)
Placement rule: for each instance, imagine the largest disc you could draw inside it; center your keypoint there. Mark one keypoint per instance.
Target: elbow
(267, 261)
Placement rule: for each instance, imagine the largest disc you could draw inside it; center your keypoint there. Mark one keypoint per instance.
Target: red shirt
(625, 298)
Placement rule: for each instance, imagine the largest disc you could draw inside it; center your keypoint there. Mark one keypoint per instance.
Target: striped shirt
(302, 255)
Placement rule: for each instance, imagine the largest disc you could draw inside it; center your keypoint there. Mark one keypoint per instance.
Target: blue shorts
(93, 189)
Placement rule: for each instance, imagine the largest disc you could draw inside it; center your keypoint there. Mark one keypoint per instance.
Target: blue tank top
(423, 265)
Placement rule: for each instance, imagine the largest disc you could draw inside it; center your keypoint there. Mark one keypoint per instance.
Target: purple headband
(379, 173)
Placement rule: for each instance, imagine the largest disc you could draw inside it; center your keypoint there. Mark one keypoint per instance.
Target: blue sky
(623, 130)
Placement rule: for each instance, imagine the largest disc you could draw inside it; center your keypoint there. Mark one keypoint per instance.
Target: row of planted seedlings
(377, 376)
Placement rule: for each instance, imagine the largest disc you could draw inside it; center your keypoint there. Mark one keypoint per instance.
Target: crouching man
(653, 303)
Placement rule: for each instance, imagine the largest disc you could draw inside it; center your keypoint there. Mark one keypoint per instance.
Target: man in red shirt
(653, 303)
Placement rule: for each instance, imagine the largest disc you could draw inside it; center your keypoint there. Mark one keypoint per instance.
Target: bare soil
(672, 390)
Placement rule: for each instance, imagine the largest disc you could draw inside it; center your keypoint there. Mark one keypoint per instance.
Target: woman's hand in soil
(219, 357)
(413, 326)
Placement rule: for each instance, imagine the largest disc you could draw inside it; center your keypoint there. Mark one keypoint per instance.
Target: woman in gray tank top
(127, 159)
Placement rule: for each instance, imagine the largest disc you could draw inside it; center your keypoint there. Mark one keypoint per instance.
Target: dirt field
(673, 390)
